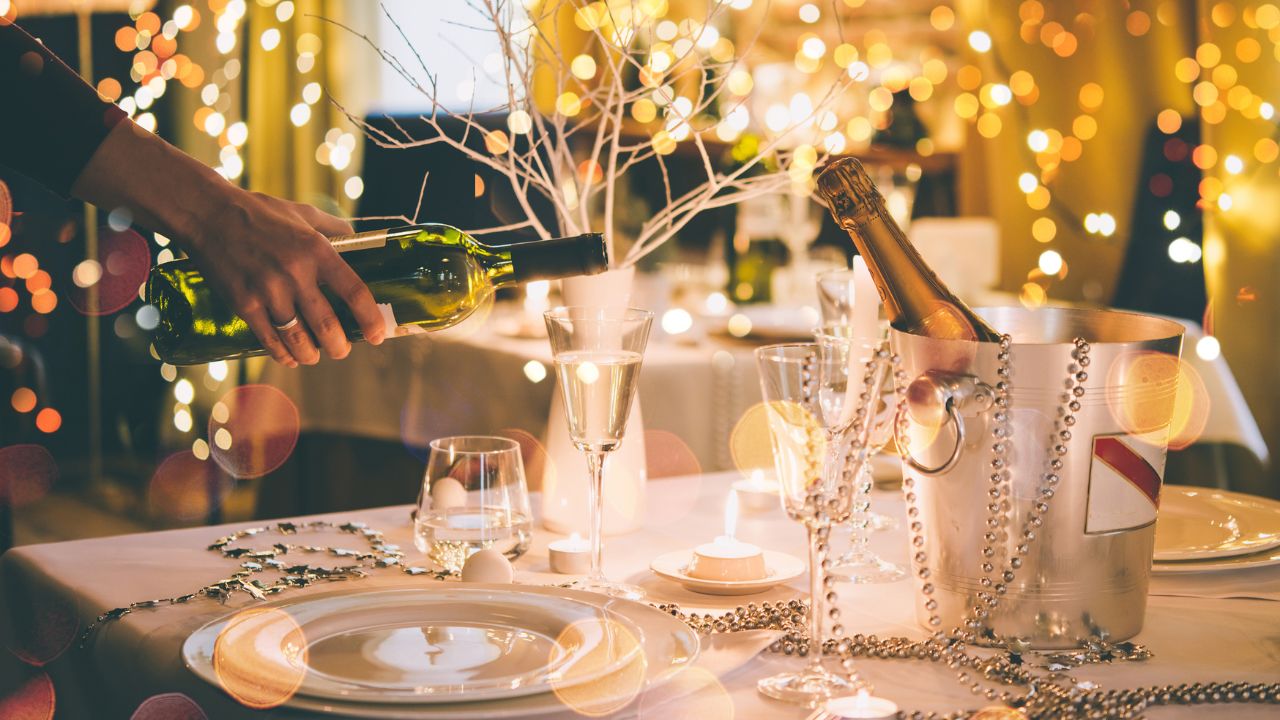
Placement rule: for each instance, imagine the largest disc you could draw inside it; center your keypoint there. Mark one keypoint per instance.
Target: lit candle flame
(731, 515)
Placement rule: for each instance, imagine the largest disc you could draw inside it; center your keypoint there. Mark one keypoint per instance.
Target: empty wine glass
(789, 382)
(597, 354)
(842, 362)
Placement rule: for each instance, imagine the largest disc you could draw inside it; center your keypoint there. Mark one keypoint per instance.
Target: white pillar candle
(866, 302)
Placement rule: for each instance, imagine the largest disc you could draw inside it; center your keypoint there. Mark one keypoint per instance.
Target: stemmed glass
(597, 355)
(842, 359)
(836, 302)
(803, 455)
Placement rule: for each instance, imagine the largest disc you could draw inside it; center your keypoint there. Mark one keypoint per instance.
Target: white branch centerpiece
(596, 89)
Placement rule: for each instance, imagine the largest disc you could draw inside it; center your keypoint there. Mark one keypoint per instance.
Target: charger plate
(1208, 524)
(607, 651)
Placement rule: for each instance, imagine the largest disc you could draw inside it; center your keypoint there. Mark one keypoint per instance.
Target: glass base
(866, 568)
(612, 589)
(810, 687)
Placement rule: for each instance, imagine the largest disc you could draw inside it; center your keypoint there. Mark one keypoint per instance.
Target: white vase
(564, 482)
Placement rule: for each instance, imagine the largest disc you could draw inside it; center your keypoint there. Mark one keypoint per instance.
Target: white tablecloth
(473, 380)
(1193, 639)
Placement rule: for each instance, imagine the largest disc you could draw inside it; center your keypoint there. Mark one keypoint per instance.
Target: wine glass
(597, 354)
(801, 443)
(473, 497)
(842, 362)
(836, 302)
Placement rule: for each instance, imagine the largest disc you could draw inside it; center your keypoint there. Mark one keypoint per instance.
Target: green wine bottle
(423, 277)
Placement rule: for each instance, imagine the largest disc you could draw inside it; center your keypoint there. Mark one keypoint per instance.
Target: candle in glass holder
(728, 558)
(756, 493)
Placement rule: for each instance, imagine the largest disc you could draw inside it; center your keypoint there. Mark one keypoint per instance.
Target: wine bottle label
(359, 241)
(395, 329)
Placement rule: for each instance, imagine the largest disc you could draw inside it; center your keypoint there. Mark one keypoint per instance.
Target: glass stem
(860, 520)
(595, 501)
(817, 602)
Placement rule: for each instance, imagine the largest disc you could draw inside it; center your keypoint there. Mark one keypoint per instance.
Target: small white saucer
(782, 568)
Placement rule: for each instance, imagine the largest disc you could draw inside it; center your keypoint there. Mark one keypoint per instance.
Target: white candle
(862, 706)
(570, 556)
(728, 558)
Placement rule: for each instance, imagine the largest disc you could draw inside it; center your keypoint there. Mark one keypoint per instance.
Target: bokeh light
(169, 706)
(667, 455)
(260, 429)
(1162, 395)
(33, 700)
(123, 262)
(53, 624)
(27, 472)
(260, 657)
(185, 489)
(584, 686)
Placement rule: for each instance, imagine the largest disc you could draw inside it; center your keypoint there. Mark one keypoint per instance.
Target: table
(1193, 639)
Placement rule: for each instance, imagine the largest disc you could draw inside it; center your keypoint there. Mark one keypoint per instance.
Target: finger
(323, 323)
(295, 337)
(261, 326)
(326, 224)
(348, 286)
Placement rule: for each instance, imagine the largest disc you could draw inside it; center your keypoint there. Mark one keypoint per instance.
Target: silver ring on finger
(289, 325)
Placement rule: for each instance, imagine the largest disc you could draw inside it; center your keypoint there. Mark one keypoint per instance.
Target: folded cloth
(1261, 583)
(698, 689)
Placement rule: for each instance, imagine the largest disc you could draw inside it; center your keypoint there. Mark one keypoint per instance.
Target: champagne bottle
(423, 277)
(915, 300)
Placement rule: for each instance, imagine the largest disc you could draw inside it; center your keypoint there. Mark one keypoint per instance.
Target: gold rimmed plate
(603, 652)
(1199, 524)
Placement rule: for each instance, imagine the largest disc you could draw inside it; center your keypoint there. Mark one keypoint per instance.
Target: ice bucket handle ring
(941, 398)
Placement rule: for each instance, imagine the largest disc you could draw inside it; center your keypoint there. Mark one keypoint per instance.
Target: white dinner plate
(656, 647)
(1208, 524)
(772, 322)
(782, 568)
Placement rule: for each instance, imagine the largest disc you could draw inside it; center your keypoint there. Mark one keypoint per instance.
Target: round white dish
(665, 647)
(782, 568)
(1206, 524)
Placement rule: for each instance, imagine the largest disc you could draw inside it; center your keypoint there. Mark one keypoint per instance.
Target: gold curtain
(281, 158)
(1137, 79)
(1242, 244)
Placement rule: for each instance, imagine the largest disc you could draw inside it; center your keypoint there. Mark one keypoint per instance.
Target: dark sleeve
(51, 121)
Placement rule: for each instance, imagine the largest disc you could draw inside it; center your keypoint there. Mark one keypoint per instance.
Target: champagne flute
(805, 467)
(842, 358)
(836, 299)
(597, 354)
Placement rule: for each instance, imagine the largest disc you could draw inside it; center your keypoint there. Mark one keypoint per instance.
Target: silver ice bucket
(1085, 573)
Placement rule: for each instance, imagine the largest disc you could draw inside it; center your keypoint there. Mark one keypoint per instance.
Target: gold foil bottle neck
(849, 192)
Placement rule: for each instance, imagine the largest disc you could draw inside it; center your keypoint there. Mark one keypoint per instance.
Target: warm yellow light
(1050, 262)
(980, 41)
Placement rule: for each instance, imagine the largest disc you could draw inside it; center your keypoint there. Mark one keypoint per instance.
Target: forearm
(50, 120)
(163, 188)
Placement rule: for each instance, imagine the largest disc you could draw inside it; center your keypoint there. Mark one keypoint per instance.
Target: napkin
(1261, 583)
(699, 686)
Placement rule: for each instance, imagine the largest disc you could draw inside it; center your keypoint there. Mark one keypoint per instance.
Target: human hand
(268, 258)
(265, 256)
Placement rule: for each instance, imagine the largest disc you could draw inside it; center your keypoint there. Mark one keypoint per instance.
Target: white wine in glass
(598, 388)
(597, 355)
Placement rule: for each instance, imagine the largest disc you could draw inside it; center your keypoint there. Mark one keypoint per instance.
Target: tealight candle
(728, 558)
(756, 493)
(863, 706)
(570, 556)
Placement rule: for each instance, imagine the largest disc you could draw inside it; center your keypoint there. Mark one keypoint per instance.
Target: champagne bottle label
(359, 241)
